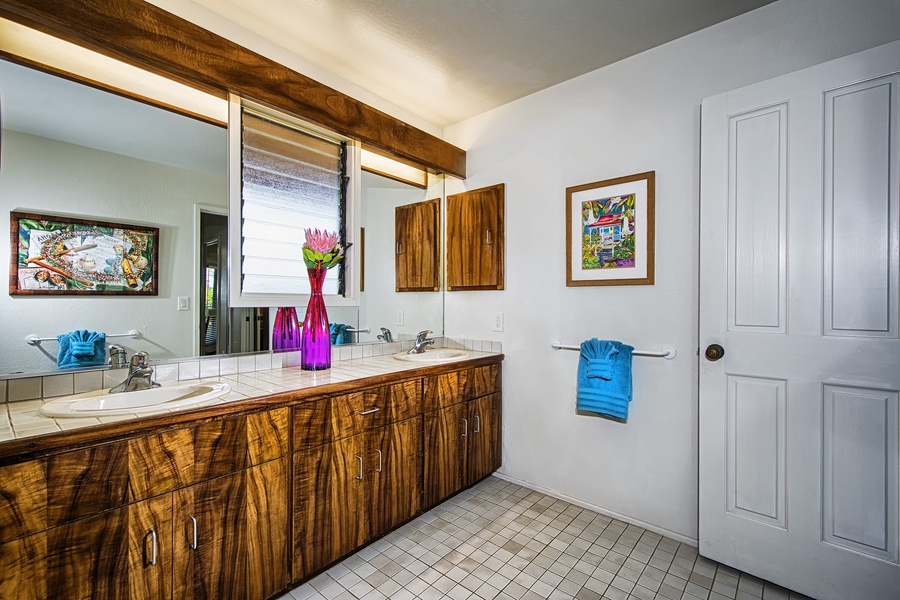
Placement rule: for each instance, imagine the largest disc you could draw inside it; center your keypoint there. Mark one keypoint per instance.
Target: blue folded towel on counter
(604, 378)
(81, 348)
(339, 334)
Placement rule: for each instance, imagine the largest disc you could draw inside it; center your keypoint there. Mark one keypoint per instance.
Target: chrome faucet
(117, 357)
(421, 342)
(386, 335)
(140, 377)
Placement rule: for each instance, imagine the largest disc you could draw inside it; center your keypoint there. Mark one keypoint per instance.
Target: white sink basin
(433, 356)
(101, 403)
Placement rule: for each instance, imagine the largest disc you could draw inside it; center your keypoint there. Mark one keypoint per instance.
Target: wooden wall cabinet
(417, 247)
(475, 229)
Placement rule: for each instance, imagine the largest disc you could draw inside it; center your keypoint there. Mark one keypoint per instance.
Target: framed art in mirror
(609, 232)
(62, 255)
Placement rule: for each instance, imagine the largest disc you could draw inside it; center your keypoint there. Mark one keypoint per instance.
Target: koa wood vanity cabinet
(243, 503)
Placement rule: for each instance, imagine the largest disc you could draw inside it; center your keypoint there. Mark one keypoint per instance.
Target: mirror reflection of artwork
(73, 256)
(608, 227)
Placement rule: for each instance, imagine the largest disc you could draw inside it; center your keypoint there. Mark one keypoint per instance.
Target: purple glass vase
(315, 339)
(286, 333)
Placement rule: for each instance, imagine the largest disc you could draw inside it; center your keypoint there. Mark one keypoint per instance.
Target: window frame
(241, 299)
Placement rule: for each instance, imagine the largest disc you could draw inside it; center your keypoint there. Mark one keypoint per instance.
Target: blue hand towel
(339, 334)
(604, 378)
(81, 348)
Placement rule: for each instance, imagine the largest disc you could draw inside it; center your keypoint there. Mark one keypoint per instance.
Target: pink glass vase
(286, 333)
(315, 339)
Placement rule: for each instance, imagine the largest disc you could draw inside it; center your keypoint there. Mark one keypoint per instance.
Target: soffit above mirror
(148, 37)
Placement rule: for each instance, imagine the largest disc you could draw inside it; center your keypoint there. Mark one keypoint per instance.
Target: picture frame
(610, 231)
(59, 255)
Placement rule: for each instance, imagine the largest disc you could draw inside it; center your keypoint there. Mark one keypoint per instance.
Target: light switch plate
(184, 303)
(400, 317)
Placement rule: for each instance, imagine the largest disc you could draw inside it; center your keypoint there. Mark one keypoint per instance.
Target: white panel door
(799, 264)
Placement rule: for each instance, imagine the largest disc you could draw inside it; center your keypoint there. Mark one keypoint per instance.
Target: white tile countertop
(23, 420)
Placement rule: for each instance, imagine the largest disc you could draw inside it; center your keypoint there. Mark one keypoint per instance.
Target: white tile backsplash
(48, 386)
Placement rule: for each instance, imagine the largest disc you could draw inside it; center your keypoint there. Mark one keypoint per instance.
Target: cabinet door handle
(477, 425)
(359, 458)
(488, 237)
(152, 535)
(378, 470)
(465, 427)
(371, 411)
(398, 248)
(193, 532)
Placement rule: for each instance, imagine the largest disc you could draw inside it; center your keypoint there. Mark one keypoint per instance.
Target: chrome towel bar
(667, 352)
(34, 340)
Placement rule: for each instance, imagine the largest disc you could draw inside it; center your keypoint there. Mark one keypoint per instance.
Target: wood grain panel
(267, 435)
(444, 470)
(88, 559)
(395, 492)
(86, 482)
(23, 499)
(148, 37)
(475, 234)
(373, 408)
(483, 381)
(312, 424)
(23, 568)
(446, 389)
(268, 529)
(150, 555)
(219, 562)
(220, 447)
(417, 247)
(330, 516)
(183, 554)
(484, 437)
(160, 463)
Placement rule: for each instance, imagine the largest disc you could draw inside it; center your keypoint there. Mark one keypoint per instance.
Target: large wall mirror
(73, 150)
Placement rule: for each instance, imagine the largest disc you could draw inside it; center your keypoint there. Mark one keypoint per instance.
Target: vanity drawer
(323, 421)
(447, 389)
(23, 499)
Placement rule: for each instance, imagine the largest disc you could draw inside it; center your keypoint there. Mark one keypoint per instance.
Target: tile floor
(502, 541)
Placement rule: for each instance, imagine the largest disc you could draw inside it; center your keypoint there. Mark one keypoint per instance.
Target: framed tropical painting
(609, 231)
(67, 256)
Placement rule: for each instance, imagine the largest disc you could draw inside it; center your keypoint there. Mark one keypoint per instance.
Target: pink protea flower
(321, 241)
(322, 249)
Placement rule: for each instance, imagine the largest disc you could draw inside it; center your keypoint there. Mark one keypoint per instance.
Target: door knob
(714, 352)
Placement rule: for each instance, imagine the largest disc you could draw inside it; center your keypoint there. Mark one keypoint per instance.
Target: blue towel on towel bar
(81, 348)
(604, 378)
(339, 334)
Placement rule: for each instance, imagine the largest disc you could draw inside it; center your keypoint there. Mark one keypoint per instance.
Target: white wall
(379, 304)
(637, 115)
(49, 177)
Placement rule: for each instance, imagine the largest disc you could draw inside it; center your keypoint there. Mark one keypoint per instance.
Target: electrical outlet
(184, 303)
(498, 321)
(400, 316)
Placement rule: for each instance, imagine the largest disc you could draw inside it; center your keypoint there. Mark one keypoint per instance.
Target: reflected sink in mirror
(433, 356)
(101, 403)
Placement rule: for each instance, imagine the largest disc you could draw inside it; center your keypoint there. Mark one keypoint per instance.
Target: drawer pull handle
(371, 411)
(477, 424)
(194, 533)
(465, 432)
(378, 470)
(152, 561)
(359, 458)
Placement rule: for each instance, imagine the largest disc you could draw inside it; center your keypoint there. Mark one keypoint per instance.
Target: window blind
(291, 181)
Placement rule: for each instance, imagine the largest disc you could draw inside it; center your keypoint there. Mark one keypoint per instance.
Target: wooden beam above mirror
(148, 37)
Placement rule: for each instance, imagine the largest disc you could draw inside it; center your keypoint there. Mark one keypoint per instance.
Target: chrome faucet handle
(386, 335)
(420, 337)
(139, 360)
(117, 356)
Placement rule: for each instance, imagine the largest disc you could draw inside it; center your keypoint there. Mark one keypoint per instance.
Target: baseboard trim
(599, 509)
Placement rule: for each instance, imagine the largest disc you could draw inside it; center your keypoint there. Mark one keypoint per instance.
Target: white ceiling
(447, 60)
